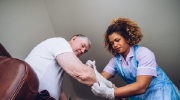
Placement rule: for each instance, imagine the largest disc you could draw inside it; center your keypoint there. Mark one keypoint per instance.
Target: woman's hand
(113, 86)
(102, 90)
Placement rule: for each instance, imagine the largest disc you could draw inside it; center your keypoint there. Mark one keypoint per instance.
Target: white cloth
(43, 60)
(98, 75)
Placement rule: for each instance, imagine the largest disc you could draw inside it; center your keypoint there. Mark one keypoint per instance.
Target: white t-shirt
(43, 60)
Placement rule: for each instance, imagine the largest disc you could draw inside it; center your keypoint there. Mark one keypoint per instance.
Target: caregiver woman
(135, 64)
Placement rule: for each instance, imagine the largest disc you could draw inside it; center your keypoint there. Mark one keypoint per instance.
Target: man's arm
(76, 69)
(62, 95)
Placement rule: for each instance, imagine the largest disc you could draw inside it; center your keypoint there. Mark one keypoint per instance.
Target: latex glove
(103, 91)
(113, 86)
(98, 75)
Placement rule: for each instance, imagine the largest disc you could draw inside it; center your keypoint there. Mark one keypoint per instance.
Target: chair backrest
(3, 51)
(18, 81)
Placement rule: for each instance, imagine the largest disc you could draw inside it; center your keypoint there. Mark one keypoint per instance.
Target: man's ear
(73, 38)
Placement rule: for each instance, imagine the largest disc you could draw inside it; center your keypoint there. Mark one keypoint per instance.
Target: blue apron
(160, 88)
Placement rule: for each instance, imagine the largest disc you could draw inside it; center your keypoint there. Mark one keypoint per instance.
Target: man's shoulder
(52, 42)
(56, 39)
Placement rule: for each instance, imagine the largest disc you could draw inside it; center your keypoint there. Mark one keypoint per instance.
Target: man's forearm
(76, 69)
(87, 76)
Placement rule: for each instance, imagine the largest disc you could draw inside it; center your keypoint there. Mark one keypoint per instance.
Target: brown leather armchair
(18, 81)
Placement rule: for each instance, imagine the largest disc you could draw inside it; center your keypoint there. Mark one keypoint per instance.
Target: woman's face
(119, 44)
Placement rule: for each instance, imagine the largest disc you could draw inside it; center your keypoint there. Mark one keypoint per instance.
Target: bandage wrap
(98, 75)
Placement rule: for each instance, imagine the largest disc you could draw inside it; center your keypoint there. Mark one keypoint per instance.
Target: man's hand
(102, 90)
(90, 63)
(62, 95)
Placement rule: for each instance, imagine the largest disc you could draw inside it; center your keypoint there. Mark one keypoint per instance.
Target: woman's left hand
(113, 86)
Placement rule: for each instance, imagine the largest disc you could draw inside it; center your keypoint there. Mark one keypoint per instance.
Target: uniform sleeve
(147, 62)
(110, 67)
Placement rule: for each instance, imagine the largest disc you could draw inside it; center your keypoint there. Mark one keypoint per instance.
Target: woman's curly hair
(126, 28)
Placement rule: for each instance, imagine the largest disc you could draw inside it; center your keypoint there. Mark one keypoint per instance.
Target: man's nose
(83, 50)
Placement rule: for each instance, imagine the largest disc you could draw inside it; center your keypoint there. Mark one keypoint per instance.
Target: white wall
(23, 24)
(54, 7)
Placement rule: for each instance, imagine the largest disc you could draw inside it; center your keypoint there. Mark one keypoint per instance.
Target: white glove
(102, 91)
(98, 75)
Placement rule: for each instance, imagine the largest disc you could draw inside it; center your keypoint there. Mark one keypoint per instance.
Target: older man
(52, 57)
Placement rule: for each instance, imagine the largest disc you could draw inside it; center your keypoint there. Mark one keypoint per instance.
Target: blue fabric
(160, 88)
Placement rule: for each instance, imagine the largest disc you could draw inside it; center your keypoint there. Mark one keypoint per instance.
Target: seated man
(52, 57)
